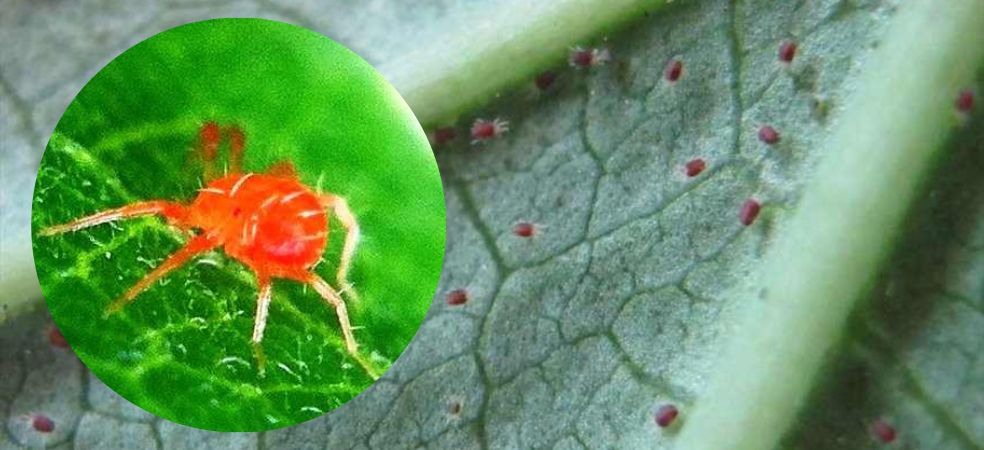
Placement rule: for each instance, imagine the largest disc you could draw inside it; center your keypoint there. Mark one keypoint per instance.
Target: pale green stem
(499, 47)
(831, 249)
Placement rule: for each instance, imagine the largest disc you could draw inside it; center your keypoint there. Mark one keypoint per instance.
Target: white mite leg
(332, 297)
(174, 212)
(341, 209)
(262, 310)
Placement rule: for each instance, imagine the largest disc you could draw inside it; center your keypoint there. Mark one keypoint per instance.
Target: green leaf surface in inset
(182, 348)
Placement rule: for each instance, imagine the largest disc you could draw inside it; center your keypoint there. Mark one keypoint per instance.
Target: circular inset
(238, 225)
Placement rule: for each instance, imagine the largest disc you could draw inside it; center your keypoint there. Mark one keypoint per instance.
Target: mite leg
(208, 147)
(196, 245)
(332, 297)
(262, 310)
(237, 141)
(344, 214)
(283, 169)
(173, 212)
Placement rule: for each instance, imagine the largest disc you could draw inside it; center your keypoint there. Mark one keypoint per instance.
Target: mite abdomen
(269, 221)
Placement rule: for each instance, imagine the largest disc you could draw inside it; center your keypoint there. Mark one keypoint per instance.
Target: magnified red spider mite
(271, 222)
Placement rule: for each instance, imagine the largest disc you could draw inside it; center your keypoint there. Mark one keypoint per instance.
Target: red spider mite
(588, 57)
(457, 297)
(666, 415)
(271, 222)
(42, 423)
(483, 130)
(674, 69)
(965, 101)
(787, 51)
(694, 167)
(56, 339)
(884, 431)
(749, 212)
(768, 135)
(524, 229)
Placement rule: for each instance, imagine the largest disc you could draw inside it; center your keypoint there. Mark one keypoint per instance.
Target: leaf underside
(572, 339)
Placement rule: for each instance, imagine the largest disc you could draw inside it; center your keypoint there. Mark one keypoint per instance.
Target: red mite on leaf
(271, 222)
(674, 69)
(749, 212)
(457, 297)
(884, 431)
(588, 57)
(666, 414)
(524, 229)
(787, 51)
(544, 80)
(484, 130)
(56, 339)
(965, 101)
(442, 136)
(694, 167)
(768, 135)
(42, 423)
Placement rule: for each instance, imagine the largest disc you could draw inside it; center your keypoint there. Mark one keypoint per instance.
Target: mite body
(271, 222)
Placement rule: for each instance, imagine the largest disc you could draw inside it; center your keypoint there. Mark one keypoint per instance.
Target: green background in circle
(182, 349)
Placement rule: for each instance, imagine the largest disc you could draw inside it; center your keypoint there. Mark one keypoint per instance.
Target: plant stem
(501, 47)
(831, 249)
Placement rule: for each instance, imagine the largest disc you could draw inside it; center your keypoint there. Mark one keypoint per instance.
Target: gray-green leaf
(621, 302)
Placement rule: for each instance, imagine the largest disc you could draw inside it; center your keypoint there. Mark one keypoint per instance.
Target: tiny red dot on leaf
(749, 212)
(884, 431)
(965, 101)
(441, 136)
(694, 167)
(666, 414)
(787, 51)
(42, 423)
(56, 339)
(544, 80)
(674, 69)
(457, 297)
(768, 135)
(524, 229)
